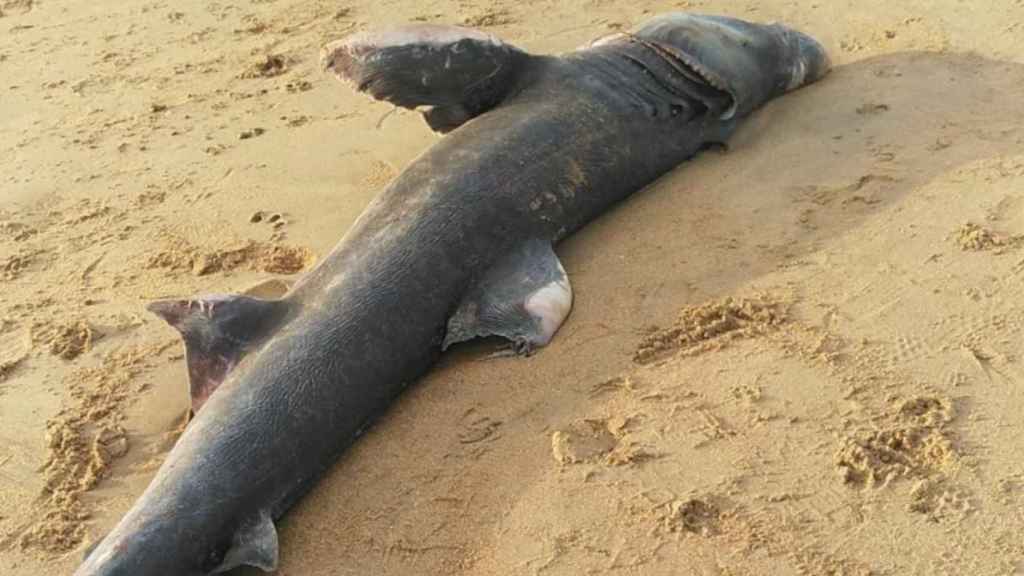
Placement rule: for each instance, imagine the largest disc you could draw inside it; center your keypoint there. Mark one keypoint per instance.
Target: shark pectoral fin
(456, 72)
(524, 298)
(217, 331)
(255, 544)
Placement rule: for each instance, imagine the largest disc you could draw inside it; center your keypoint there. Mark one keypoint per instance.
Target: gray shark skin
(459, 246)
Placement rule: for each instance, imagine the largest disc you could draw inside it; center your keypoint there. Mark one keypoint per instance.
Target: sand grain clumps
(270, 258)
(975, 238)
(916, 445)
(284, 259)
(82, 442)
(939, 501)
(67, 340)
(272, 65)
(712, 326)
(489, 18)
(693, 516)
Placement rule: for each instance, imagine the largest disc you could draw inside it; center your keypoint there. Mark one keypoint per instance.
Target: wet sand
(802, 356)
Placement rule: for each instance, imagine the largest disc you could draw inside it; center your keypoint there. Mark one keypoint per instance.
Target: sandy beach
(800, 356)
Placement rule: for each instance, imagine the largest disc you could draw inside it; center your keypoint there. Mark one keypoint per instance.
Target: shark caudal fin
(217, 331)
(456, 73)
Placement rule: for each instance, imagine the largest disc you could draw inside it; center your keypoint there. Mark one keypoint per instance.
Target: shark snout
(810, 61)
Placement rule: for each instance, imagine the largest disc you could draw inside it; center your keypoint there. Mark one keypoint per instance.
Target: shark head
(751, 62)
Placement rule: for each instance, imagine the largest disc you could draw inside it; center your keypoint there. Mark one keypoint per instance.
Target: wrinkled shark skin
(459, 246)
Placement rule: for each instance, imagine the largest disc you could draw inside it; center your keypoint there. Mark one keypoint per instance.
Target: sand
(801, 356)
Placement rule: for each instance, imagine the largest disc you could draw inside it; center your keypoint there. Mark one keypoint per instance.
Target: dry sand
(800, 357)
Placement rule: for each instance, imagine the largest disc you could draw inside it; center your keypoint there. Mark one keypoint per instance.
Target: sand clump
(916, 444)
(66, 340)
(272, 65)
(82, 442)
(490, 18)
(975, 238)
(269, 258)
(284, 259)
(693, 516)
(940, 501)
(712, 326)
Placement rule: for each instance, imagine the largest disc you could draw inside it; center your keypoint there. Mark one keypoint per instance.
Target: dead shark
(458, 246)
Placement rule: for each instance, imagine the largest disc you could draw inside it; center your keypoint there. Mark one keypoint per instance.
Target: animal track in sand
(597, 441)
(717, 524)
(582, 441)
(909, 347)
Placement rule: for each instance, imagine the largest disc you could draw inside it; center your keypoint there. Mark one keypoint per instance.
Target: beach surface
(802, 356)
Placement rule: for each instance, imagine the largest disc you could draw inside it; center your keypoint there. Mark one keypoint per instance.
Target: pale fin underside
(524, 298)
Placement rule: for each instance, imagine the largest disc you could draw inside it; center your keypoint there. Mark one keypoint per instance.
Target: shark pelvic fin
(254, 544)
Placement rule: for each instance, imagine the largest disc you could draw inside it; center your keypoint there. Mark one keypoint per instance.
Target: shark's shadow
(806, 169)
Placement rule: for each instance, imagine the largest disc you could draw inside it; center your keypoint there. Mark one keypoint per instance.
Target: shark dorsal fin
(217, 331)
